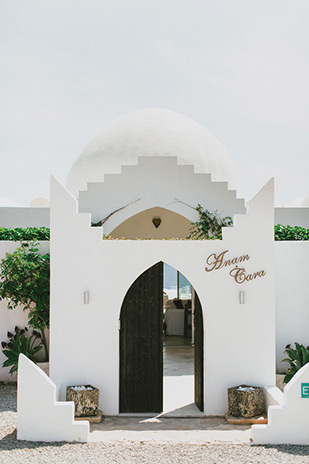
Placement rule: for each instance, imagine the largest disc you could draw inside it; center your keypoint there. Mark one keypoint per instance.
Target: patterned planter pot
(86, 399)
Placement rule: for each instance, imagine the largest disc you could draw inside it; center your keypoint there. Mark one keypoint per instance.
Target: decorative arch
(155, 223)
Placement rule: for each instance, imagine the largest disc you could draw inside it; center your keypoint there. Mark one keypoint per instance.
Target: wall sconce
(86, 297)
(241, 297)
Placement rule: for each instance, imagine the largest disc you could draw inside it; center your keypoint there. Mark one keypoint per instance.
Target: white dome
(39, 202)
(151, 132)
(302, 201)
(7, 202)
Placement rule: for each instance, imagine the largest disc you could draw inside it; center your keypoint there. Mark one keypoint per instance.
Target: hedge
(291, 233)
(29, 233)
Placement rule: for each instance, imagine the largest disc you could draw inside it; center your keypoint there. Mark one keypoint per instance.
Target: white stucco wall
(24, 216)
(156, 182)
(292, 216)
(239, 339)
(292, 296)
(10, 318)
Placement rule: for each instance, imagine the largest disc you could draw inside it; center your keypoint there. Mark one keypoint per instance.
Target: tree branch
(100, 223)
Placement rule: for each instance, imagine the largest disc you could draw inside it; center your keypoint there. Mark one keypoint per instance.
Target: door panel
(198, 354)
(141, 344)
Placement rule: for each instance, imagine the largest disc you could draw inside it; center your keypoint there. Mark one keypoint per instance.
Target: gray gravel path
(13, 451)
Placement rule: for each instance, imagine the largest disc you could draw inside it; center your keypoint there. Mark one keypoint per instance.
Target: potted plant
(297, 358)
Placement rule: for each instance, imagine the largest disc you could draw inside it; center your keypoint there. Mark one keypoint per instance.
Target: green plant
(209, 225)
(297, 358)
(24, 280)
(20, 234)
(20, 343)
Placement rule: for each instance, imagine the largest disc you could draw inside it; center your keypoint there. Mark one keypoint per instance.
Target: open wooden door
(198, 354)
(141, 344)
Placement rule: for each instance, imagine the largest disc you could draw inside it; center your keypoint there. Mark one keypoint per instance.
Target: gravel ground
(13, 451)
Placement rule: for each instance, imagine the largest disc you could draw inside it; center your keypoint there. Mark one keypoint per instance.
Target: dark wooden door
(199, 354)
(141, 344)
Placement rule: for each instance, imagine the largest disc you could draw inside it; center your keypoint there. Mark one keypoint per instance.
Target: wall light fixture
(86, 297)
(241, 297)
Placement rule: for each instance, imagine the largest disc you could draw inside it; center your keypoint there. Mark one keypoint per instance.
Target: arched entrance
(141, 345)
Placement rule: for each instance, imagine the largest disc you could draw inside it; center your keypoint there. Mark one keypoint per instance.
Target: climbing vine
(209, 225)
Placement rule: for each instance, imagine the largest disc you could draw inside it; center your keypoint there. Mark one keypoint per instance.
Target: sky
(238, 67)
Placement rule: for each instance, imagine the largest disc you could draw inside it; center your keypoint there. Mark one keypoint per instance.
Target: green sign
(305, 390)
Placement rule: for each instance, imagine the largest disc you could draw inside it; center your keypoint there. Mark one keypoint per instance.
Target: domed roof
(302, 201)
(4, 201)
(39, 202)
(151, 132)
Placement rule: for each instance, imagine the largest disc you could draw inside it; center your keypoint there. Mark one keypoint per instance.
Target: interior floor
(178, 356)
(178, 376)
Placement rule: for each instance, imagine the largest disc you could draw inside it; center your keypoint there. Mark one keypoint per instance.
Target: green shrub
(291, 233)
(24, 280)
(27, 234)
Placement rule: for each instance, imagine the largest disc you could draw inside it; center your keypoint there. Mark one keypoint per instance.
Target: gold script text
(215, 261)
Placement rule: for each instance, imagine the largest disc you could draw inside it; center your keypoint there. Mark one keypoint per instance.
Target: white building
(141, 177)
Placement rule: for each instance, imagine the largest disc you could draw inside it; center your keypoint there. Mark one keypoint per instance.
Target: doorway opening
(181, 356)
(161, 344)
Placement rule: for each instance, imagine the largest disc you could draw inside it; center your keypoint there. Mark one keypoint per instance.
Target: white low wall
(288, 420)
(292, 296)
(10, 318)
(292, 216)
(24, 216)
(40, 417)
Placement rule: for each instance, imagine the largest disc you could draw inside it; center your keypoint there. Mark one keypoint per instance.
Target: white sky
(239, 67)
